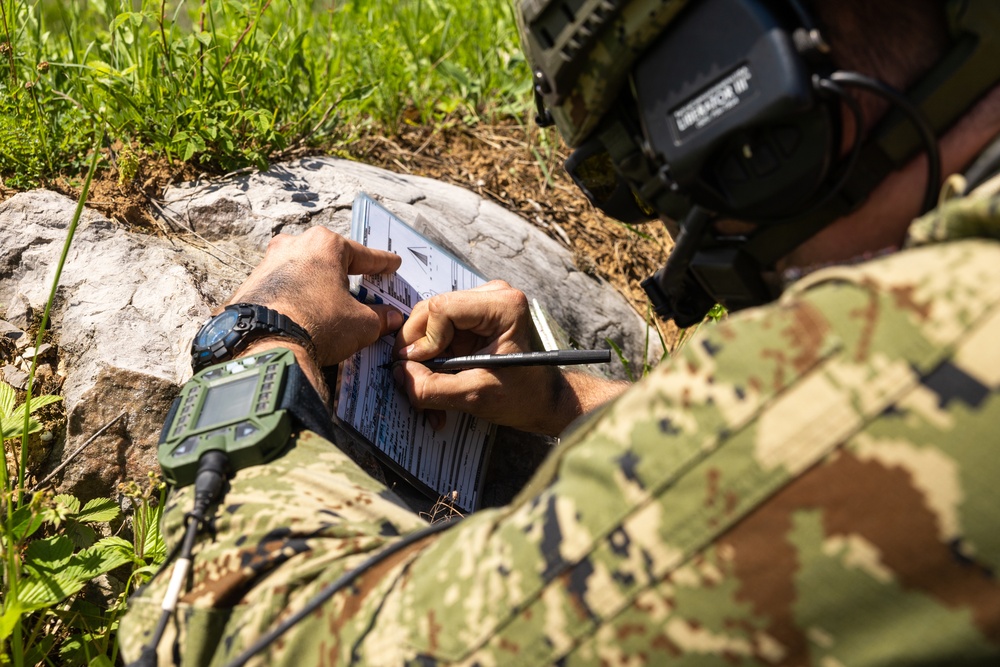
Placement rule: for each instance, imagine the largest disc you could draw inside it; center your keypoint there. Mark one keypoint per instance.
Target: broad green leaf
(101, 661)
(98, 509)
(11, 613)
(50, 553)
(26, 522)
(114, 542)
(135, 17)
(6, 398)
(104, 556)
(83, 536)
(12, 426)
(101, 67)
(35, 655)
(40, 401)
(70, 504)
(44, 589)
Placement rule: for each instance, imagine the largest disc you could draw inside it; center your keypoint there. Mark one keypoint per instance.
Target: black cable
(856, 147)
(804, 17)
(915, 116)
(272, 635)
(213, 469)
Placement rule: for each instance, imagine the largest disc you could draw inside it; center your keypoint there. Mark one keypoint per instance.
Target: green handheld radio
(243, 408)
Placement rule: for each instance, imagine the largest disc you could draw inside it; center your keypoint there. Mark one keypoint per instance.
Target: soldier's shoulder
(939, 290)
(837, 335)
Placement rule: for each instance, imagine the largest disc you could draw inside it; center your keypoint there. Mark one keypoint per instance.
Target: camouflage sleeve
(810, 483)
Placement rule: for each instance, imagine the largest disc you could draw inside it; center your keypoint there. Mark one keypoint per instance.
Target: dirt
(508, 163)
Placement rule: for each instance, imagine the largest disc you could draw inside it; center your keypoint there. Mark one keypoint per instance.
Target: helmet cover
(582, 51)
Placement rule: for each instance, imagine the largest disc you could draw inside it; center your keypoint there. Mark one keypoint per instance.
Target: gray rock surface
(128, 303)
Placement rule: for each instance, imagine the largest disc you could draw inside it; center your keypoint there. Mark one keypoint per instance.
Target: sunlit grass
(226, 84)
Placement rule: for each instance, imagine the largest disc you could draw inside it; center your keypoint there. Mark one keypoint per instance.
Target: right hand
(305, 277)
(490, 319)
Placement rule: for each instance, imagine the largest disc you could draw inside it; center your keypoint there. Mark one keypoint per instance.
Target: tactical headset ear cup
(727, 101)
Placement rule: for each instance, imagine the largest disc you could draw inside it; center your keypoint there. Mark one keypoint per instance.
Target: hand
(491, 319)
(305, 278)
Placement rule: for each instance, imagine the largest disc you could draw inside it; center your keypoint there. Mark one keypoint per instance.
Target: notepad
(450, 462)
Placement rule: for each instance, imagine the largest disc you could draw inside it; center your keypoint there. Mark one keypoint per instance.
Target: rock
(9, 331)
(127, 450)
(15, 377)
(31, 352)
(129, 303)
(498, 243)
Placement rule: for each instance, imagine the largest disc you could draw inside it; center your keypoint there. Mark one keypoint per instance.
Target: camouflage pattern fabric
(815, 482)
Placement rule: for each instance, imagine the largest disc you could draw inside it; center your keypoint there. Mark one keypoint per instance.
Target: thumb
(390, 319)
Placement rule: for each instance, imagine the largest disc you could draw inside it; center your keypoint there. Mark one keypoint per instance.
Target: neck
(880, 224)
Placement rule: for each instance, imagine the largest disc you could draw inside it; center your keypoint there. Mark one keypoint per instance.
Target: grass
(223, 84)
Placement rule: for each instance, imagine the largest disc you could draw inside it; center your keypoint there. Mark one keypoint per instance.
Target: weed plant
(53, 546)
(228, 83)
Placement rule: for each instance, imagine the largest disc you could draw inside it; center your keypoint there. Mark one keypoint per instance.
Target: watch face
(217, 328)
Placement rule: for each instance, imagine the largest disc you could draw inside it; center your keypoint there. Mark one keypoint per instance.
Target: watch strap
(269, 321)
(302, 401)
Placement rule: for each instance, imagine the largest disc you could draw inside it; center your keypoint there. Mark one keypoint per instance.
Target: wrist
(575, 394)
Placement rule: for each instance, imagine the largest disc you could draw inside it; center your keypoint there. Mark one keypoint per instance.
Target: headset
(735, 111)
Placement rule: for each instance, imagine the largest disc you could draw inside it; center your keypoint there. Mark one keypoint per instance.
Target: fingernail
(434, 419)
(394, 319)
(397, 373)
(405, 352)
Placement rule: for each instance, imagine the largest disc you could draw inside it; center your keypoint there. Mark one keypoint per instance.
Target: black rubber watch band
(303, 402)
(225, 335)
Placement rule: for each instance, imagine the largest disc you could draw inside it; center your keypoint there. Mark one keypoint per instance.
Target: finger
(412, 329)
(485, 315)
(360, 259)
(367, 324)
(491, 286)
(436, 419)
(427, 390)
(390, 318)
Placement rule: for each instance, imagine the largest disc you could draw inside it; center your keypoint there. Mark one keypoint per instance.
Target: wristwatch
(224, 335)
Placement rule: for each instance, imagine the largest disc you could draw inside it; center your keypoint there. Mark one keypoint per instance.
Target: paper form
(453, 459)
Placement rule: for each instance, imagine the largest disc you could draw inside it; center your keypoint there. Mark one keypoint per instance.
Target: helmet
(581, 53)
(692, 110)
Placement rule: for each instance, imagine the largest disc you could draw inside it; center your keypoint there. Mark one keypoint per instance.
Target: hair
(895, 41)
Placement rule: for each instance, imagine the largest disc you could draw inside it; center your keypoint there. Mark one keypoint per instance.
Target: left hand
(304, 277)
(490, 319)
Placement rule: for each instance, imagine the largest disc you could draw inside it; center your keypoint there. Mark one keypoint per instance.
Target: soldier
(811, 482)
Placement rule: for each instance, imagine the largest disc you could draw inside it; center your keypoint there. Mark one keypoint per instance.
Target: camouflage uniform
(812, 482)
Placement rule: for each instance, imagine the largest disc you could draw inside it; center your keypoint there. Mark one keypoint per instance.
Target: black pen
(550, 358)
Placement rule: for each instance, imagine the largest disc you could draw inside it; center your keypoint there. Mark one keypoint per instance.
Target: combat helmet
(692, 110)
